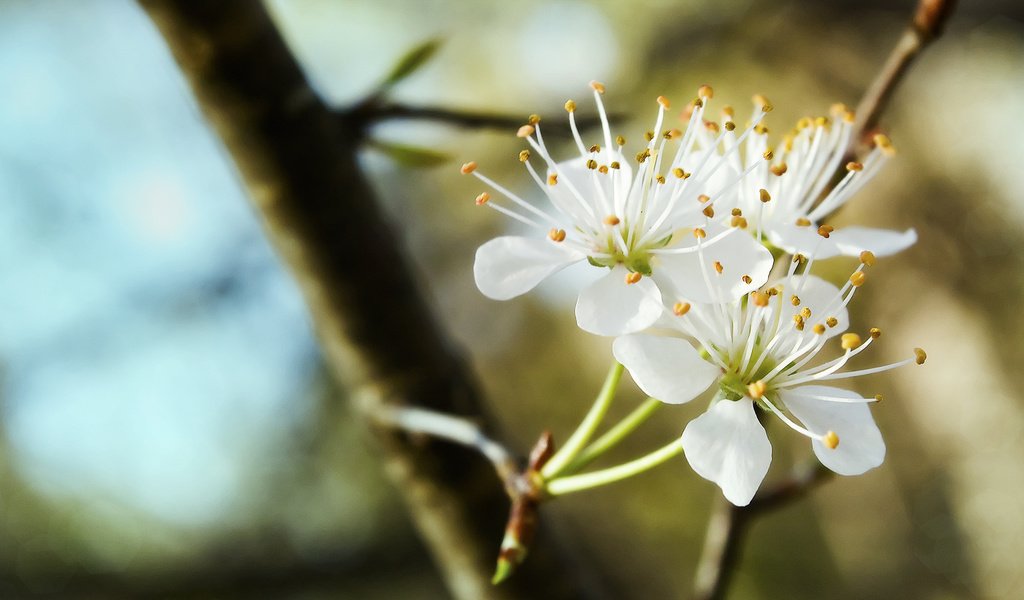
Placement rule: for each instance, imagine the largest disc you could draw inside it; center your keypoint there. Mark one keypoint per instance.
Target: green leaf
(411, 62)
(412, 156)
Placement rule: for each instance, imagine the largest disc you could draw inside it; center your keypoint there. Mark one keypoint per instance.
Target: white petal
(728, 446)
(610, 306)
(860, 443)
(851, 241)
(508, 266)
(668, 369)
(739, 255)
(793, 239)
(818, 295)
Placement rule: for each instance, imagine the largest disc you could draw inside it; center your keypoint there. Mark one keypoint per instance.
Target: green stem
(582, 435)
(576, 483)
(614, 435)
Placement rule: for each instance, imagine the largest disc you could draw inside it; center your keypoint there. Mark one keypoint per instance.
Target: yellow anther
(764, 195)
(875, 333)
(825, 230)
(799, 258)
(615, 164)
(696, 103)
(737, 212)
(802, 222)
(804, 123)
(920, 356)
(705, 91)
(819, 329)
(611, 220)
(854, 166)
(768, 154)
(849, 341)
(597, 86)
(867, 258)
(620, 140)
(712, 126)
(524, 156)
(525, 131)
(805, 312)
(858, 278)
(642, 156)
(761, 130)
(595, 148)
(557, 235)
(680, 308)
(660, 179)
(703, 198)
(831, 440)
(878, 398)
(760, 298)
(699, 233)
(728, 112)
(718, 267)
(553, 179)
(779, 169)
(663, 101)
(533, 119)
(673, 134)
(482, 199)
(737, 221)
(763, 102)
(746, 279)
(632, 278)
(884, 144)
(570, 106)
(729, 125)
(649, 135)
(831, 322)
(468, 168)
(822, 122)
(795, 300)
(602, 169)
(757, 389)
(799, 322)
(591, 164)
(678, 172)
(709, 211)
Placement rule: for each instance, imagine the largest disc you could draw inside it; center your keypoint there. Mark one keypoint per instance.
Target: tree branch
(377, 332)
(375, 110)
(728, 524)
(928, 23)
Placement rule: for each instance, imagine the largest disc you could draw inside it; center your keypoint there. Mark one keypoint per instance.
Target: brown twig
(729, 523)
(375, 110)
(928, 23)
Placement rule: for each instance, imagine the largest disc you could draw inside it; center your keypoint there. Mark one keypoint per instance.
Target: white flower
(782, 200)
(648, 230)
(759, 351)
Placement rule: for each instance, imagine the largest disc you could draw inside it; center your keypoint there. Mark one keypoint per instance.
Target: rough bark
(298, 162)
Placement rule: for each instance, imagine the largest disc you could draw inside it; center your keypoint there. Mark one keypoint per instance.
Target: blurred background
(166, 425)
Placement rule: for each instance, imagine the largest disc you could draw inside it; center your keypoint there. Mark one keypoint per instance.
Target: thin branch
(374, 110)
(728, 526)
(928, 23)
(454, 429)
(728, 523)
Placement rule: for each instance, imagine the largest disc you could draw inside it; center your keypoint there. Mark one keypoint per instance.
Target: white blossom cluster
(684, 236)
